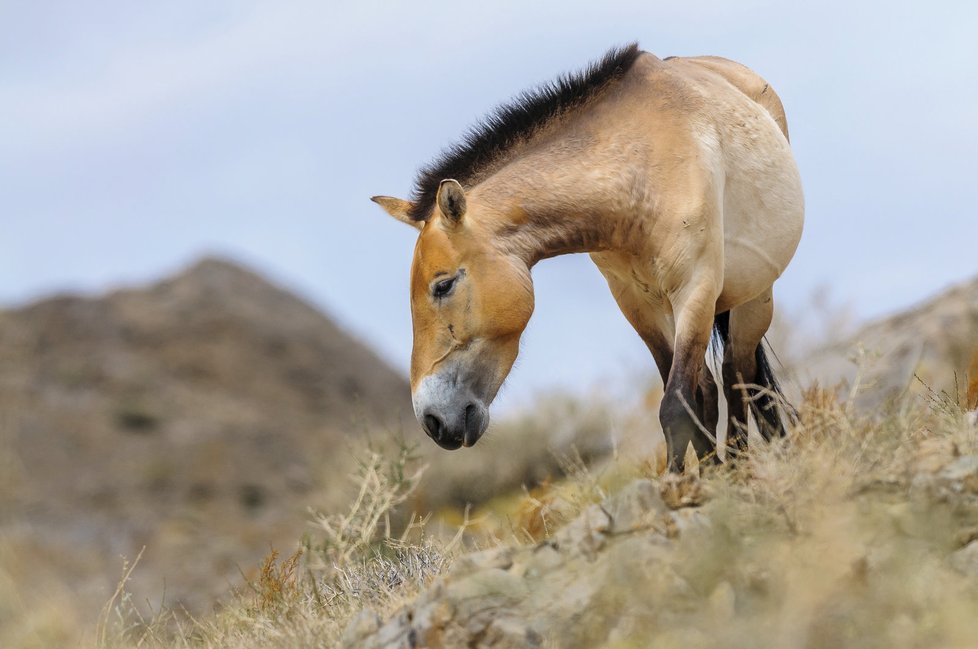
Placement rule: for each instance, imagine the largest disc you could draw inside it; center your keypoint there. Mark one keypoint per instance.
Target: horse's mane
(489, 139)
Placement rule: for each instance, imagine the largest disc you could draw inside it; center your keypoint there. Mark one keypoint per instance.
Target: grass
(837, 537)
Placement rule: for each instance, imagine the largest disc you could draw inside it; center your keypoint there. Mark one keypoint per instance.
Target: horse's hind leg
(747, 382)
(708, 401)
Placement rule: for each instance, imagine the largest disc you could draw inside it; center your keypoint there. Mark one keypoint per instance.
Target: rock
(491, 585)
(586, 533)
(962, 474)
(965, 560)
(365, 624)
(956, 481)
(680, 491)
(638, 505)
(500, 557)
(545, 594)
(722, 602)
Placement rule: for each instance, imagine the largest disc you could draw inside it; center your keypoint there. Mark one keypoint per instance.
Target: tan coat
(679, 181)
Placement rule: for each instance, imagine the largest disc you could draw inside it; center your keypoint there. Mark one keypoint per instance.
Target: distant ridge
(196, 415)
(933, 341)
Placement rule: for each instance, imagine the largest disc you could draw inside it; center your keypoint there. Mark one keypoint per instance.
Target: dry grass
(372, 553)
(839, 537)
(834, 538)
(349, 561)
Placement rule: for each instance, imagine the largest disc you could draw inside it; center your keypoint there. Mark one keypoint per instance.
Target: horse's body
(675, 175)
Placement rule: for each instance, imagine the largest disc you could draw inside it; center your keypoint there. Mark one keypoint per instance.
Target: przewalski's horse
(675, 175)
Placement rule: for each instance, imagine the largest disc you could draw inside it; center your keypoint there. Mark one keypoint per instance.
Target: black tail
(768, 400)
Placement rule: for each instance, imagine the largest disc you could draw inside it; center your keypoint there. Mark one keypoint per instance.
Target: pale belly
(763, 212)
(761, 233)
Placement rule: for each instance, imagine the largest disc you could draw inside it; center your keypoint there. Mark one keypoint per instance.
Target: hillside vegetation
(858, 532)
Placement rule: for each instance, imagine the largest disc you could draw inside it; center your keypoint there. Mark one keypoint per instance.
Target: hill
(198, 417)
(857, 530)
(934, 341)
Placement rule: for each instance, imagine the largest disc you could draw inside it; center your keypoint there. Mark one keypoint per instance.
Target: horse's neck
(548, 206)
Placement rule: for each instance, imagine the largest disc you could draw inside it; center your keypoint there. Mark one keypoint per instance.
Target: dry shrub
(350, 561)
(972, 398)
(544, 509)
(278, 582)
(540, 512)
(382, 486)
(829, 538)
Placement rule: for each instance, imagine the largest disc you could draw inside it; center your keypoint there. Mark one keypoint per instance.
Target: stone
(545, 594)
(365, 624)
(638, 506)
(965, 560)
(961, 475)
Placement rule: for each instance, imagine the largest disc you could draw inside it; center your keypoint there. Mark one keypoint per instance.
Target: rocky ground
(861, 533)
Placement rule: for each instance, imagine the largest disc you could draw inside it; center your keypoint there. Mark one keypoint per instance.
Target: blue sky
(136, 137)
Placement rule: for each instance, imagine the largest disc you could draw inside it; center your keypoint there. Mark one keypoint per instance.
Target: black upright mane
(511, 123)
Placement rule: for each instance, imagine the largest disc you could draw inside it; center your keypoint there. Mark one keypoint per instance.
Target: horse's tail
(767, 398)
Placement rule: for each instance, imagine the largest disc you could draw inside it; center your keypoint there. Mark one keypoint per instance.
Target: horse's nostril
(474, 424)
(434, 426)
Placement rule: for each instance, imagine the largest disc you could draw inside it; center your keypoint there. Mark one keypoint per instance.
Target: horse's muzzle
(455, 424)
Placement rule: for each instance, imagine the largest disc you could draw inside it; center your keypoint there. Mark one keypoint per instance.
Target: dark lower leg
(747, 389)
(707, 397)
(738, 405)
(661, 349)
(681, 422)
(764, 401)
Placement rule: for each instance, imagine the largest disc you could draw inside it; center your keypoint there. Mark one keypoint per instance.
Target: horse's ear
(399, 208)
(451, 199)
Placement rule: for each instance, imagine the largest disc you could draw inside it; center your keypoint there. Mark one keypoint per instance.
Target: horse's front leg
(689, 407)
(648, 311)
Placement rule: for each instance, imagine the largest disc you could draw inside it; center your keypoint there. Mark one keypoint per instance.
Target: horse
(675, 175)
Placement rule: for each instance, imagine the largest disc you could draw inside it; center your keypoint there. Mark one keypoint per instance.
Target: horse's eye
(443, 288)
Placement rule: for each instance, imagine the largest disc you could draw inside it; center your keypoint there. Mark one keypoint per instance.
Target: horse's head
(470, 302)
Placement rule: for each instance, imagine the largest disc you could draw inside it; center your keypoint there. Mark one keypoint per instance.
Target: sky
(137, 137)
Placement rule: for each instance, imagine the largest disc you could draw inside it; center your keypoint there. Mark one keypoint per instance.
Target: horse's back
(746, 81)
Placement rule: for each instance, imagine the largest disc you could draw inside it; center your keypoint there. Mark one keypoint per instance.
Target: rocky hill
(196, 417)
(935, 342)
(812, 548)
